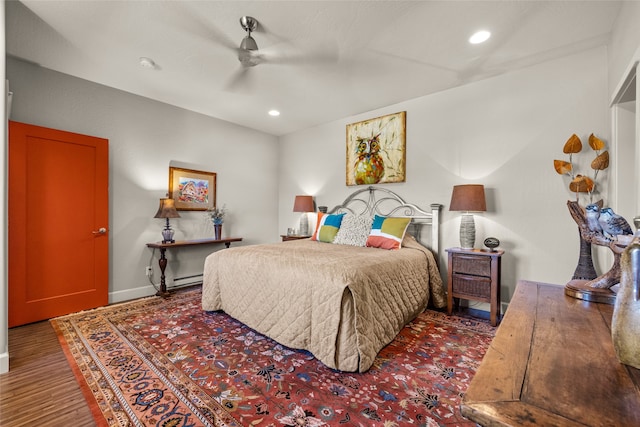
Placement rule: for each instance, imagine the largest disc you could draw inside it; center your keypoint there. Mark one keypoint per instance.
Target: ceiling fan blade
(240, 81)
(268, 34)
(313, 56)
(191, 22)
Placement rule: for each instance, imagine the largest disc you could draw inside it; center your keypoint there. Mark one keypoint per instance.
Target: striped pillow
(387, 233)
(327, 227)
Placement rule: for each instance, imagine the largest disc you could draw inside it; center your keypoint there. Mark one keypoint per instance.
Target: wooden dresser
(552, 363)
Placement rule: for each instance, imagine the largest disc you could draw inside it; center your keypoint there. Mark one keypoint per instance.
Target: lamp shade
(469, 198)
(167, 209)
(303, 204)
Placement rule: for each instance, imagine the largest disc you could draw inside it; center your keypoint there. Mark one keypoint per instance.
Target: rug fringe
(90, 398)
(105, 307)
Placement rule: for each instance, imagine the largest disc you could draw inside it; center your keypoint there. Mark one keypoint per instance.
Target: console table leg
(162, 262)
(162, 246)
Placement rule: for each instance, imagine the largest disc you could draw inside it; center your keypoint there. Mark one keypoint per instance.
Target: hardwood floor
(40, 388)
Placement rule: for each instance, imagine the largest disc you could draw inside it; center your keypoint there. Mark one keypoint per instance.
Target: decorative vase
(217, 228)
(625, 325)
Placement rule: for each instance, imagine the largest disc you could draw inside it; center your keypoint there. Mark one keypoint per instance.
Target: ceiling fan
(249, 55)
(248, 47)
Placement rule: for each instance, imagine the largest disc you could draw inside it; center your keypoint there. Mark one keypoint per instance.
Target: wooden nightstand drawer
(473, 286)
(472, 264)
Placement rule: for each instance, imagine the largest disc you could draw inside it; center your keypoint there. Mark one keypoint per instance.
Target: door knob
(100, 231)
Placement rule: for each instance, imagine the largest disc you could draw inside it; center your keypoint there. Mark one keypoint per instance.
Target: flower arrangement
(582, 183)
(217, 214)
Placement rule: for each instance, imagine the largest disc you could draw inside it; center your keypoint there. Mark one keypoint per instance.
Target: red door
(58, 219)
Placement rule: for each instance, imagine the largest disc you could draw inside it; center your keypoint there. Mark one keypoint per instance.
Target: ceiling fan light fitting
(248, 43)
(248, 58)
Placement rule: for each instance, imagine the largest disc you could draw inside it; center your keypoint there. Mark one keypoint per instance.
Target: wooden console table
(162, 262)
(552, 363)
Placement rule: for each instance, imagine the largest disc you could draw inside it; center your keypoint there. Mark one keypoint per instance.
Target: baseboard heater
(179, 282)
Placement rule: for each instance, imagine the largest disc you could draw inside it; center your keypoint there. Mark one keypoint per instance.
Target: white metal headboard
(383, 202)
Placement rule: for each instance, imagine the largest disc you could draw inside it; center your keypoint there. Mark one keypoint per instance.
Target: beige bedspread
(341, 303)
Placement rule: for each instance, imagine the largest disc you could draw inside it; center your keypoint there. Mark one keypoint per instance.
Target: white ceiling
(329, 59)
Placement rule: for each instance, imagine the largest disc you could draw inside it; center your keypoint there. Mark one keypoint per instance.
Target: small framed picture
(192, 190)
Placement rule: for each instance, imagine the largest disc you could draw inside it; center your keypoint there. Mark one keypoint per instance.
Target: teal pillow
(387, 233)
(327, 227)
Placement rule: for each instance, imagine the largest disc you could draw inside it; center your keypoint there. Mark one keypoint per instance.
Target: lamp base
(304, 224)
(467, 231)
(167, 236)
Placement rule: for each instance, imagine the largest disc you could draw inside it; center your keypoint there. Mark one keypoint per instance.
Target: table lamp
(468, 198)
(303, 204)
(167, 210)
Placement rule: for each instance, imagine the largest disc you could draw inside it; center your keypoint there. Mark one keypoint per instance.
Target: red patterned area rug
(165, 362)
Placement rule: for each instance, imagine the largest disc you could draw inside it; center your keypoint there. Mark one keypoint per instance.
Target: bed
(340, 302)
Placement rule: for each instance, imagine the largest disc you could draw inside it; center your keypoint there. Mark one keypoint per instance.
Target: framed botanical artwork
(192, 190)
(376, 150)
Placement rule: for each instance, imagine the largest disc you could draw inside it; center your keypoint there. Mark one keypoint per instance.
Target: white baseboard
(146, 291)
(187, 280)
(4, 363)
(129, 294)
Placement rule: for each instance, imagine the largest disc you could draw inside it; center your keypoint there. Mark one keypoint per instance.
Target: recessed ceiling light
(479, 37)
(147, 62)
(274, 113)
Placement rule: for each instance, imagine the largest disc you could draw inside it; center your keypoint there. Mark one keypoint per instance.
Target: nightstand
(286, 237)
(474, 274)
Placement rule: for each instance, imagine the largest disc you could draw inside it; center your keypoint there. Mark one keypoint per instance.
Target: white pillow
(354, 230)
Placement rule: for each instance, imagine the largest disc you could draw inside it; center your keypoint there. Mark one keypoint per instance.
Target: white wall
(145, 137)
(624, 54)
(504, 133)
(625, 44)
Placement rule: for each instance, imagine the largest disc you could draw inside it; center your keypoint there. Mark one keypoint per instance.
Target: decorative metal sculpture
(492, 243)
